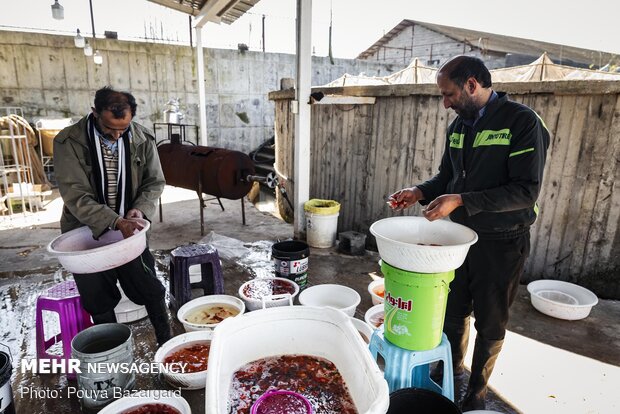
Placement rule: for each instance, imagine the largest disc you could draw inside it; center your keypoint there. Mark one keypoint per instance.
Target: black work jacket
(497, 167)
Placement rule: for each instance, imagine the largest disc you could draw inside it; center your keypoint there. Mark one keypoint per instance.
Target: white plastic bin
(321, 222)
(301, 330)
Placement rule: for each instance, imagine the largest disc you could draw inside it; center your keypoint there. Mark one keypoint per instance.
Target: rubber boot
(485, 354)
(106, 317)
(159, 318)
(457, 331)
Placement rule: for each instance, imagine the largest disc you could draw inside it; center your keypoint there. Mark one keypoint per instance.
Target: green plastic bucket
(415, 307)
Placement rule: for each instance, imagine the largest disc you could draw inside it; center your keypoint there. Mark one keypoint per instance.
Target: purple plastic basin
(281, 401)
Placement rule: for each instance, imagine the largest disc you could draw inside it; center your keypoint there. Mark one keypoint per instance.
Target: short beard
(468, 110)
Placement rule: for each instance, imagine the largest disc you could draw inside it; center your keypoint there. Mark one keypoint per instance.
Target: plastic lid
(323, 207)
(281, 401)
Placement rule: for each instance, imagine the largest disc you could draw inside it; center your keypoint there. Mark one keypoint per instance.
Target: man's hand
(128, 227)
(134, 213)
(405, 198)
(442, 206)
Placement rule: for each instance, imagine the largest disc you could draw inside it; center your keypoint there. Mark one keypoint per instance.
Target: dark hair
(107, 99)
(461, 68)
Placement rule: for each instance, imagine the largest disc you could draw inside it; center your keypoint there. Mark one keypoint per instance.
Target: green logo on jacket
(488, 137)
(456, 140)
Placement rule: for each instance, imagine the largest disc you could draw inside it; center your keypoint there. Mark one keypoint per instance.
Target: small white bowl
(268, 301)
(148, 397)
(207, 300)
(562, 300)
(338, 297)
(189, 380)
(363, 328)
(373, 312)
(372, 286)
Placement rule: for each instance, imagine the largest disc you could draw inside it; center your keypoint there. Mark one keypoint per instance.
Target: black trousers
(487, 283)
(100, 294)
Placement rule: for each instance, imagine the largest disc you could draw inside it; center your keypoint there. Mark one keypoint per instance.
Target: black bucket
(6, 393)
(420, 401)
(290, 259)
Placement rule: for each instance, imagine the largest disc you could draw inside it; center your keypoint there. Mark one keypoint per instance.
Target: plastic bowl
(207, 300)
(398, 238)
(372, 289)
(147, 397)
(373, 312)
(189, 380)
(363, 328)
(562, 300)
(268, 300)
(273, 394)
(78, 252)
(339, 297)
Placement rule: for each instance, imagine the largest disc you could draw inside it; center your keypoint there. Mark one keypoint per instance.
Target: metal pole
(191, 39)
(263, 33)
(202, 97)
(92, 18)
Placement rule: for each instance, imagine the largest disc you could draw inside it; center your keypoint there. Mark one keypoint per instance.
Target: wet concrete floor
(527, 377)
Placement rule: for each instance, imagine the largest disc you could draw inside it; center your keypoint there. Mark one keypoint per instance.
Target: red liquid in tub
(315, 378)
(257, 289)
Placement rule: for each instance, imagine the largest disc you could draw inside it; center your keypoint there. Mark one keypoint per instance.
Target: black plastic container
(290, 259)
(420, 401)
(7, 406)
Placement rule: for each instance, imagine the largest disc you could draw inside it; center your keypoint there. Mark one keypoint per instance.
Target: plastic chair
(181, 258)
(405, 369)
(64, 299)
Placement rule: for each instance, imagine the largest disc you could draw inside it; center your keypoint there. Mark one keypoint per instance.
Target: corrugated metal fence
(362, 153)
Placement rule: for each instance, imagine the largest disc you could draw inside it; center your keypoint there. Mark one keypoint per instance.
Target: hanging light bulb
(97, 58)
(78, 40)
(58, 12)
(88, 50)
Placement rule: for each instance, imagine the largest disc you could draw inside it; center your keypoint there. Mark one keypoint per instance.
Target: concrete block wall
(432, 48)
(49, 78)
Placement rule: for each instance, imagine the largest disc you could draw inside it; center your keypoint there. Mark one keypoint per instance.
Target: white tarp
(542, 69)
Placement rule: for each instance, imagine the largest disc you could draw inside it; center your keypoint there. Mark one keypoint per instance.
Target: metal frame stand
(203, 205)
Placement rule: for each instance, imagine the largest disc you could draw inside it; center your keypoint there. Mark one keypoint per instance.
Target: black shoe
(473, 401)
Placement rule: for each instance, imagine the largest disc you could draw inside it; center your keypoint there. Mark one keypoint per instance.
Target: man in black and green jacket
(489, 179)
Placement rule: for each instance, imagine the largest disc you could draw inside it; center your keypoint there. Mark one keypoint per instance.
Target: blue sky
(357, 23)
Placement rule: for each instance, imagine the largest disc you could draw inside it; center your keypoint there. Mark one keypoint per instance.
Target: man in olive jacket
(109, 174)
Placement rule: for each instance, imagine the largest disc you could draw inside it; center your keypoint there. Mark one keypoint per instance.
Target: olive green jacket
(76, 182)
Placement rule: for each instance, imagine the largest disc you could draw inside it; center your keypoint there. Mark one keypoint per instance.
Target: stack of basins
(418, 261)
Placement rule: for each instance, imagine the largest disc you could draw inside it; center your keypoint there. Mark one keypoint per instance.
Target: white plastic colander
(405, 243)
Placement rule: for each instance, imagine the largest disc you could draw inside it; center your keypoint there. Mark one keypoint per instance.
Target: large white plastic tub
(78, 252)
(398, 238)
(301, 330)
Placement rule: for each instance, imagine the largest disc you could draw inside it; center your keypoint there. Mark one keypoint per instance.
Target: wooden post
(302, 115)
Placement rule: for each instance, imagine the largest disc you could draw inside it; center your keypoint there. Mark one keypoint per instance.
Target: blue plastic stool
(405, 369)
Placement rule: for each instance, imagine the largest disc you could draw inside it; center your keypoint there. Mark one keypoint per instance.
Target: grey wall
(48, 77)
